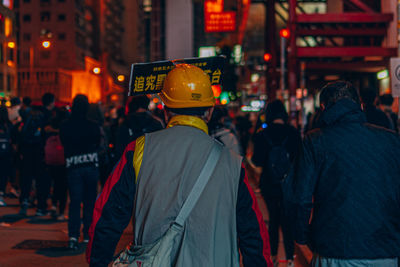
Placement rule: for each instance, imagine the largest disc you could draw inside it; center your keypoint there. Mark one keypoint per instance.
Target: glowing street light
(96, 70)
(11, 44)
(46, 44)
(285, 33)
(121, 78)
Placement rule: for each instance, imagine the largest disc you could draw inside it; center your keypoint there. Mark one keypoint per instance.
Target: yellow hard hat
(187, 86)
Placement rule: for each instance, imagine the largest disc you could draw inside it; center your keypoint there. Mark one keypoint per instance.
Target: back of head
(335, 91)
(386, 100)
(47, 99)
(15, 101)
(276, 110)
(80, 106)
(138, 102)
(27, 101)
(368, 96)
(187, 90)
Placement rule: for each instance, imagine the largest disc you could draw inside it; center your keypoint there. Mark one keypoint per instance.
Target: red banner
(220, 22)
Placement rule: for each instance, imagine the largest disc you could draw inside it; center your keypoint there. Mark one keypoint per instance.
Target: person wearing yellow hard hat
(180, 182)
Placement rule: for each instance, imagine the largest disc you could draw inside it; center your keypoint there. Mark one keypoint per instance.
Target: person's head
(187, 91)
(138, 103)
(217, 117)
(48, 100)
(386, 100)
(27, 101)
(368, 96)
(3, 115)
(80, 106)
(335, 91)
(276, 111)
(15, 101)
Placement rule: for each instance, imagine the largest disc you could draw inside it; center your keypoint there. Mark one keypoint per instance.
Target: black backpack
(5, 141)
(278, 161)
(31, 132)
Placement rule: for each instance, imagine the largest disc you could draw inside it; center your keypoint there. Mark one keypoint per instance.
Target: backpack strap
(200, 184)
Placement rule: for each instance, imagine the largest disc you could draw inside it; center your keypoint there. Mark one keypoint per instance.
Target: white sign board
(395, 76)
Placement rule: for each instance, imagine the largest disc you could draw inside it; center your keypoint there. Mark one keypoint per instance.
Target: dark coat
(348, 172)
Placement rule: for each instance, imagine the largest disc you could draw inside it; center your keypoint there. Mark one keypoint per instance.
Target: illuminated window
(8, 27)
(44, 16)
(26, 18)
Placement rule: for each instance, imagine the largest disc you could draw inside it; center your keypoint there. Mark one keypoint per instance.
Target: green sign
(148, 78)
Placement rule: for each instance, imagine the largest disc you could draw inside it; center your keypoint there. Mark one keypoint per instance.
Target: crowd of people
(60, 153)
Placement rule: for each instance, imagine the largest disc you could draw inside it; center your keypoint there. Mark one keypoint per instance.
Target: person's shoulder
(381, 130)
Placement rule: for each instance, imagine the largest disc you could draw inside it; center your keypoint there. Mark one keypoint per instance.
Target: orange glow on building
(87, 84)
(7, 27)
(10, 63)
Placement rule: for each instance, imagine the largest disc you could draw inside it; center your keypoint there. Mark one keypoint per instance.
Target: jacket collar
(344, 110)
(185, 120)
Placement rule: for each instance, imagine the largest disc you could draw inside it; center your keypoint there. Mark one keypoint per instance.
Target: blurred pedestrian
(25, 108)
(31, 148)
(5, 152)
(347, 176)
(81, 139)
(55, 162)
(219, 131)
(157, 173)
(138, 122)
(372, 113)
(385, 104)
(275, 148)
(13, 111)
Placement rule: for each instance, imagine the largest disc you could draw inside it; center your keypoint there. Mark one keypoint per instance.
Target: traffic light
(267, 57)
(285, 33)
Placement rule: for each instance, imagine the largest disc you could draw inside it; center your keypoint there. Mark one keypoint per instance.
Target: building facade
(8, 55)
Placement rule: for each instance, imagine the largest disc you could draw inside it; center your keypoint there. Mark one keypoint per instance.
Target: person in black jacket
(81, 139)
(138, 122)
(385, 104)
(373, 114)
(278, 141)
(348, 173)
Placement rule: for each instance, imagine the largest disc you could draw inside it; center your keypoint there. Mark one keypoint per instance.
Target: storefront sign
(148, 78)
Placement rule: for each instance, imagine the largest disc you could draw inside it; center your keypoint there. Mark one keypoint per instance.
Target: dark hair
(386, 100)
(368, 96)
(15, 101)
(137, 102)
(27, 101)
(47, 99)
(4, 115)
(199, 111)
(218, 113)
(335, 91)
(276, 110)
(80, 106)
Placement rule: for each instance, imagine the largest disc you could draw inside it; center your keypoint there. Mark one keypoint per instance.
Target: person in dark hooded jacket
(348, 173)
(138, 122)
(81, 140)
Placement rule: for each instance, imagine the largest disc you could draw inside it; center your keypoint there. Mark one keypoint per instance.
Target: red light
(216, 90)
(160, 106)
(267, 57)
(285, 33)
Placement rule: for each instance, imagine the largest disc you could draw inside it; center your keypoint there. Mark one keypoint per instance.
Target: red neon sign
(220, 22)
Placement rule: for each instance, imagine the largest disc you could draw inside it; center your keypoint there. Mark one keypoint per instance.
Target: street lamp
(11, 45)
(96, 70)
(46, 44)
(121, 78)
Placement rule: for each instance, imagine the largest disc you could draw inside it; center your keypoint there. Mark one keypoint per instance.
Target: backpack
(164, 251)
(5, 142)
(31, 132)
(278, 161)
(54, 151)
